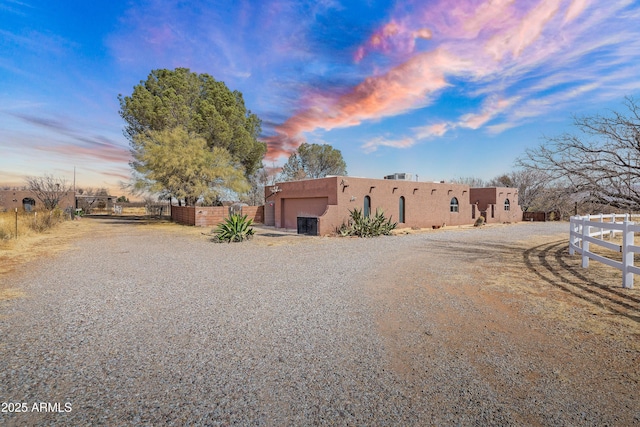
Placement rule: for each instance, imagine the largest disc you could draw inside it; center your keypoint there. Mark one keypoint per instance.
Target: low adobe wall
(541, 216)
(210, 216)
(183, 215)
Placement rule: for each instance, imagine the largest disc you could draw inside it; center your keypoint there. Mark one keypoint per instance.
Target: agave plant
(364, 226)
(236, 228)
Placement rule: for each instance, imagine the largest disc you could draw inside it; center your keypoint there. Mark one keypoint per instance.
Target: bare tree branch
(602, 163)
(48, 189)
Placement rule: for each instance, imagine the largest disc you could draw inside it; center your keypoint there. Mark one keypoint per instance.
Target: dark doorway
(28, 204)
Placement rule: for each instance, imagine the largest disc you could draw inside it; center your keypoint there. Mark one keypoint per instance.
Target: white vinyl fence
(593, 229)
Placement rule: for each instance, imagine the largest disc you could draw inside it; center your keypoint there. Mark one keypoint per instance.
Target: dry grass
(30, 246)
(553, 283)
(27, 224)
(34, 242)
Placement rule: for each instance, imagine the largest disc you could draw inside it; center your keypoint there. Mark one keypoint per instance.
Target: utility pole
(75, 200)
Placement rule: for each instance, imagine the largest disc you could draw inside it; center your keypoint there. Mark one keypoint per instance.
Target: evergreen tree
(314, 161)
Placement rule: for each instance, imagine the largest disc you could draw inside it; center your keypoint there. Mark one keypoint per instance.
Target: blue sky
(440, 89)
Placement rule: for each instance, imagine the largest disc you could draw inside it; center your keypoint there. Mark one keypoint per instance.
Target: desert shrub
(44, 220)
(236, 228)
(5, 234)
(479, 221)
(364, 226)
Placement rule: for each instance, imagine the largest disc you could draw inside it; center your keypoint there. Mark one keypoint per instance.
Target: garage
(303, 207)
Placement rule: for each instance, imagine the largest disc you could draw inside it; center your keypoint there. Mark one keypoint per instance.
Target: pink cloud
(429, 131)
(373, 144)
(515, 39)
(393, 38)
(482, 41)
(575, 9)
(105, 153)
(404, 87)
(490, 110)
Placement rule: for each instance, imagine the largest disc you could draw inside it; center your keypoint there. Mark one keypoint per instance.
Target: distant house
(326, 203)
(27, 200)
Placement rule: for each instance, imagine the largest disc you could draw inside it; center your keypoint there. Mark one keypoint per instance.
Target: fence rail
(592, 229)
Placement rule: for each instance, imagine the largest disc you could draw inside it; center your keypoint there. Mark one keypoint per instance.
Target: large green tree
(199, 104)
(180, 165)
(314, 161)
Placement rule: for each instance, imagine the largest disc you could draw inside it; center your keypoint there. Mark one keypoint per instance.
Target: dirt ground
(527, 307)
(512, 308)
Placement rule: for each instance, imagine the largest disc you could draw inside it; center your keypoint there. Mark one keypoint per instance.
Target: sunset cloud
(407, 78)
(433, 130)
(73, 142)
(575, 9)
(373, 144)
(489, 45)
(407, 86)
(393, 38)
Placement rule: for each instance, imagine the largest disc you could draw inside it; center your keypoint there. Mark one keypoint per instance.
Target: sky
(441, 89)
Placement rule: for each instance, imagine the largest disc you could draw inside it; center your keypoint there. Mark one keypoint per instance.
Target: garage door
(309, 207)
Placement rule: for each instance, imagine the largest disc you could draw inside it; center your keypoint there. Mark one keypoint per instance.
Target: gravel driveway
(144, 326)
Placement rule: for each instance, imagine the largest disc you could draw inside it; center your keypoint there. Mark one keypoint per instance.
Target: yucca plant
(236, 228)
(364, 226)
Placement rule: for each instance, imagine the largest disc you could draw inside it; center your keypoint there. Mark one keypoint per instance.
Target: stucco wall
(210, 216)
(11, 199)
(183, 215)
(492, 201)
(426, 204)
(290, 199)
(304, 207)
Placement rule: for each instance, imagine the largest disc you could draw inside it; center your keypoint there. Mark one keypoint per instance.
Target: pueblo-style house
(320, 206)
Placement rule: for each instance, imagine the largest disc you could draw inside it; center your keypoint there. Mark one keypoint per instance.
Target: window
(367, 206)
(454, 205)
(401, 210)
(28, 204)
(507, 205)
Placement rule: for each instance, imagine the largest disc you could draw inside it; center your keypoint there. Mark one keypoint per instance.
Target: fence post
(585, 242)
(572, 239)
(611, 233)
(627, 255)
(602, 228)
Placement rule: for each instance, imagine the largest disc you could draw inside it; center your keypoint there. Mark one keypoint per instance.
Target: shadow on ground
(127, 219)
(598, 285)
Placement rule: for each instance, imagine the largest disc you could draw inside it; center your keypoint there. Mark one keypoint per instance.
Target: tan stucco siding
(304, 207)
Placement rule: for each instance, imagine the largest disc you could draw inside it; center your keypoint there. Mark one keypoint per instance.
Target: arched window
(367, 206)
(454, 205)
(401, 210)
(507, 205)
(28, 204)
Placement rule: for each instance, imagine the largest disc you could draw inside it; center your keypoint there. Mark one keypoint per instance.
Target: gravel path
(136, 326)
